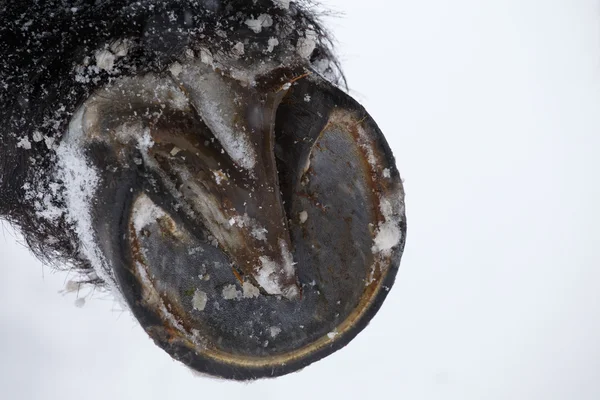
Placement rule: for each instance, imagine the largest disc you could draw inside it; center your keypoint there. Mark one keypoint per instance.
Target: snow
(26, 25)
(24, 143)
(259, 233)
(272, 43)
(206, 56)
(80, 182)
(283, 4)
(199, 300)
(238, 49)
(274, 331)
(105, 60)
(288, 259)
(303, 216)
(145, 212)
(37, 136)
(262, 21)
(219, 176)
(174, 151)
(249, 290)
(269, 272)
(265, 276)
(388, 233)
(306, 45)
(145, 141)
(49, 142)
(230, 292)
(47, 210)
(120, 48)
(175, 69)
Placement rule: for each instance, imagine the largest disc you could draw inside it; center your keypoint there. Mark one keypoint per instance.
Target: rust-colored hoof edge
(244, 277)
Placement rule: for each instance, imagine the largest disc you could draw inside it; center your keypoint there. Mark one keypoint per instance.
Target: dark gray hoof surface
(214, 295)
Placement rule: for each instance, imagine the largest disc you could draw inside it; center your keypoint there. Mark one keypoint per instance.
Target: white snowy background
(492, 109)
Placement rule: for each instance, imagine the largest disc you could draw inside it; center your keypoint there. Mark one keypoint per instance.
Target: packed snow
(199, 300)
(80, 182)
(388, 233)
(269, 272)
(145, 212)
(262, 21)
